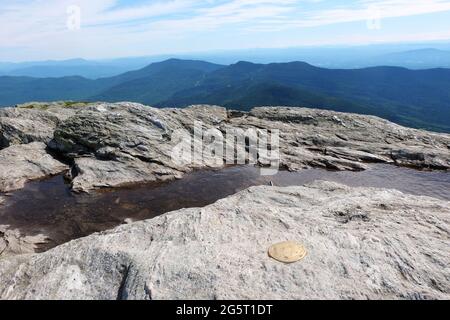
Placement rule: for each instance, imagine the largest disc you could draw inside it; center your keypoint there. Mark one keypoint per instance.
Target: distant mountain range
(414, 59)
(74, 67)
(418, 56)
(416, 98)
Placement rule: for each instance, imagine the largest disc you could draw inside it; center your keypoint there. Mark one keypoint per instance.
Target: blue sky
(49, 29)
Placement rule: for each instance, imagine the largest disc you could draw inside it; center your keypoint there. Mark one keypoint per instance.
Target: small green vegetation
(47, 105)
(34, 105)
(75, 104)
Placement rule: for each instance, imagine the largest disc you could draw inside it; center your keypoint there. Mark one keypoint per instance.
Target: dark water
(48, 207)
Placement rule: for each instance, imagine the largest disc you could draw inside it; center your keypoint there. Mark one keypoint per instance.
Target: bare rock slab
(362, 243)
(334, 140)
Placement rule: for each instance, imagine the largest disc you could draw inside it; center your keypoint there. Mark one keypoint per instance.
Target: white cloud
(151, 10)
(386, 8)
(38, 27)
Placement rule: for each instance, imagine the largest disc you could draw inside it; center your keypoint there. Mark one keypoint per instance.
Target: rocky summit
(360, 243)
(112, 145)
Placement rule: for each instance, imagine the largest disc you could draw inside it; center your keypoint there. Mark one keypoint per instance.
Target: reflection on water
(48, 207)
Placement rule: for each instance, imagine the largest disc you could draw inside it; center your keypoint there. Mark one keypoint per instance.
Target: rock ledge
(362, 243)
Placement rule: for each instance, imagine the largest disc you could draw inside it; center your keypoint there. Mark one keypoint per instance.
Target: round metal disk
(287, 252)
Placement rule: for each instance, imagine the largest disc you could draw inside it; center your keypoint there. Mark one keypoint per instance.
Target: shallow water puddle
(48, 207)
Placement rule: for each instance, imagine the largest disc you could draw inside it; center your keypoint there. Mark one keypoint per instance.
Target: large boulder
(33, 122)
(22, 163)
(361, 243)
(118, 144)
(20, 126)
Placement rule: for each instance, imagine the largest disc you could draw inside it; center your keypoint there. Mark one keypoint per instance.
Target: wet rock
(22, 163)
(12, 242)
(401, 252)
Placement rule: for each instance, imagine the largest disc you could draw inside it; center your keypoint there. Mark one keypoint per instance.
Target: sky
(96, 29)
